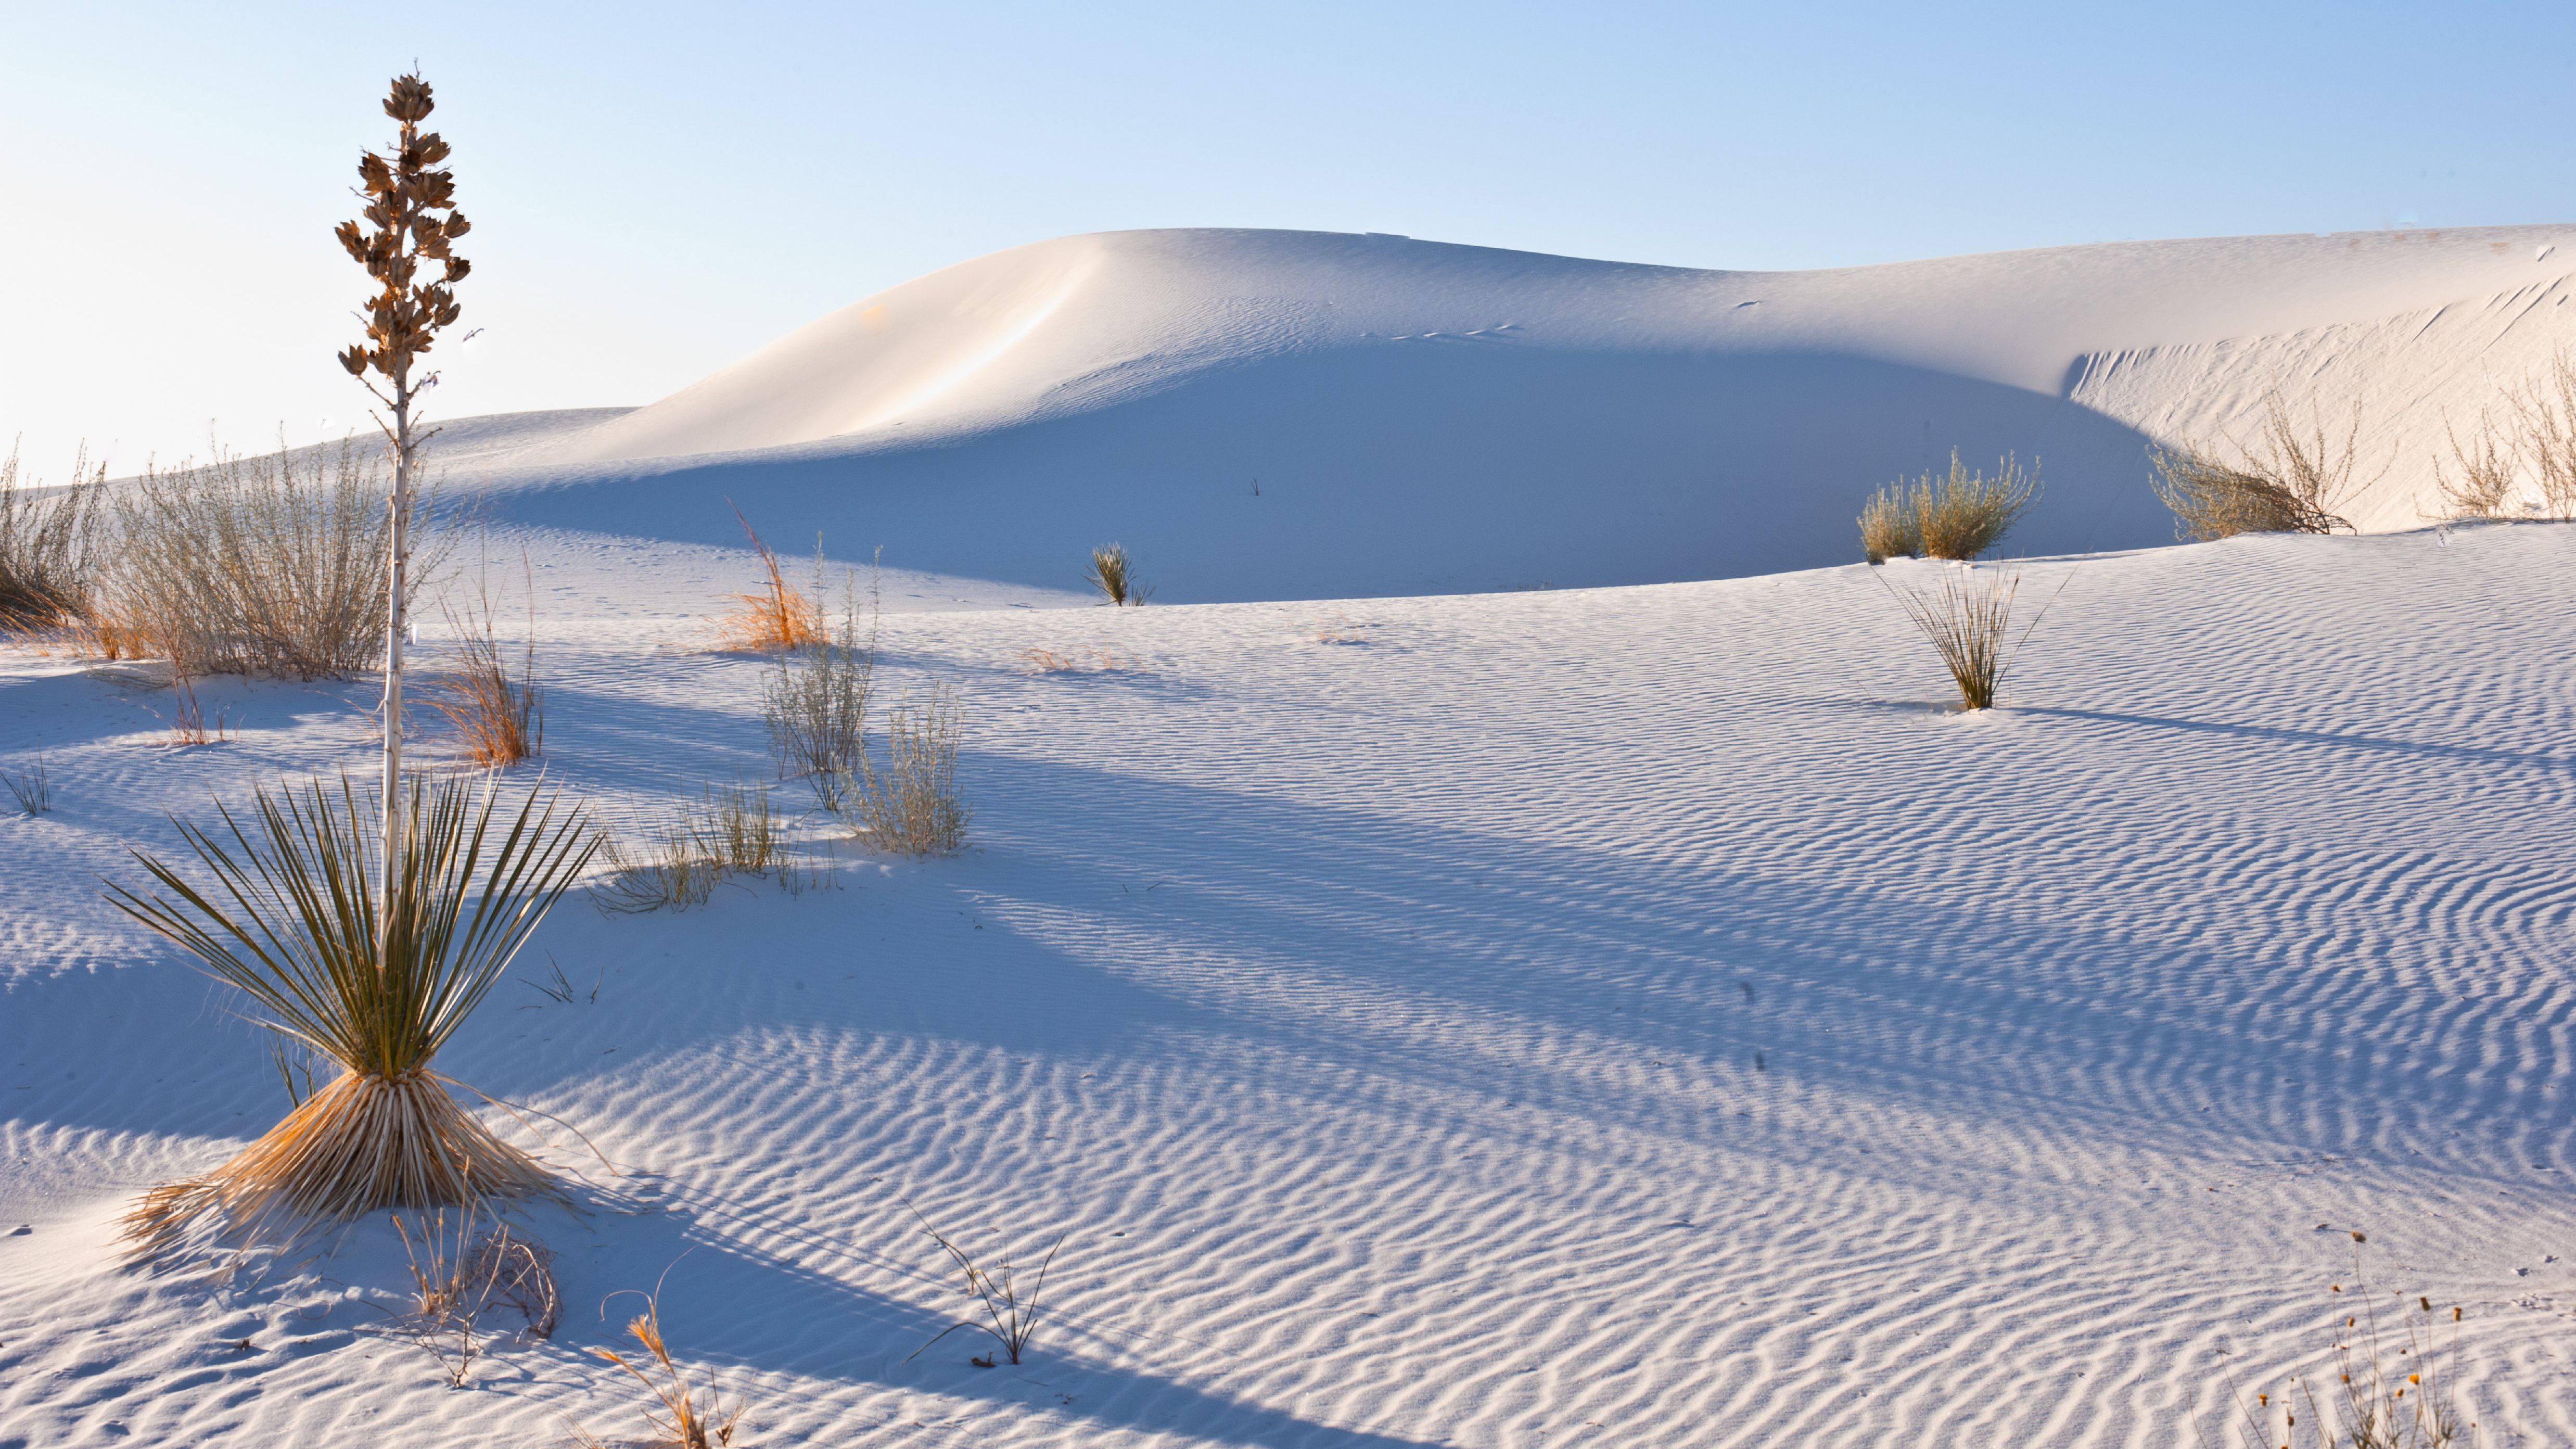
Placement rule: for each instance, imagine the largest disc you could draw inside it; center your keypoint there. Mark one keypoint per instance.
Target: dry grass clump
(912, 806)
(816, 702)
(2486, 473)
(457, 1277)
(1968, 619)
(47, 553)
(732, 830)
(678, 1418)
(1048, 661)
(1957, 515)
(781, 616)
(1113, 573)
(290, 920)
(34, 790)
(2289, 480)
(1009, 1320)
(265, 565)
(2545, 428)
(498, 720)
(2394, 1387)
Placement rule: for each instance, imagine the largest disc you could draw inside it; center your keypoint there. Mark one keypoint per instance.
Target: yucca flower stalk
(289, 919)
(411, 218)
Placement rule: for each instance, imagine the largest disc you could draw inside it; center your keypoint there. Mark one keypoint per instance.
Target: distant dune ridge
(1273, 414)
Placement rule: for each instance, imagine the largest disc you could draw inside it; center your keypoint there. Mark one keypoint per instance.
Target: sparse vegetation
(1968, 619)
(1048, 661)
(1957, 515)
(680, 1419)
(272, 565)
(779, 617)
(2485, 469)
(47, 549)
(2290, 480)
(2392, 1387)
(2545, 427)
(289, 920)
(457, 1276)
(815, 701)
(669, 867)
(498, 720)
(33, 789)
(1009, 1320)
(912, 806)
(732, 830)
(1113, 573)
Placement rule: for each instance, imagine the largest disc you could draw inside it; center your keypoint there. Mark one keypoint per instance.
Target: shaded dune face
(1423, 417)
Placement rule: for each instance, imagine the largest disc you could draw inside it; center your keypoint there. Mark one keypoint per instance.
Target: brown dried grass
(2545, 424)
(1957, 515)
(2289, 480)
(47, 549)
(680, 1417)
(2485, 467)
(498, 720)
(779, 617)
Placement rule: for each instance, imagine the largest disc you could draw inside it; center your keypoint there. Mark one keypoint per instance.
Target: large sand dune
(1298, 414)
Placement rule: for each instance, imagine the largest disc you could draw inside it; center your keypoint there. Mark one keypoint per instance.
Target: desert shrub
(679, 1419)
(498, 720)
(2289, 480)
(1957, 515)
(1968, 620)
(291, 919)
(272, 565)
(2485, 467)
(912, 807)
(780, 616)
(2393, 1381)
(1113, 573)
(815, 701)
(1890, 525)
(2545, 417)
(47, 548)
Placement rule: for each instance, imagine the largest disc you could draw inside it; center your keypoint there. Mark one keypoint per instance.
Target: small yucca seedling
(33, 791)
(288, 919)
(679, 1420)
(778, 617)
(1009, 1319)
(1113, 573)
(1968, 619)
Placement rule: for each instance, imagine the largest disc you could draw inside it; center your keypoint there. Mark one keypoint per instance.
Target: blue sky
(659, 189)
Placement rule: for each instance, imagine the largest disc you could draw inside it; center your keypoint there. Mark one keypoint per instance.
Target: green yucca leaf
(290, 914)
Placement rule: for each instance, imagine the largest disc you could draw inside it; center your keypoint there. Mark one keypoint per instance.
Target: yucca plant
(289, 919)
(1969, 621)
(1113, 573)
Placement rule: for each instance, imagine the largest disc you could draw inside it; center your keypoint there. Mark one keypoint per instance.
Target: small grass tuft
(33, 790)
(1009, 1320)
(499, 721)
(779, 617)
(2394, 1386)
(680, 1417)
(1113, 573)
(1968, 619)
(815, 701)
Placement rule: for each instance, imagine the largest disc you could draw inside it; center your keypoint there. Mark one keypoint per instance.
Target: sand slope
(1627, 1017)
(1301, 415)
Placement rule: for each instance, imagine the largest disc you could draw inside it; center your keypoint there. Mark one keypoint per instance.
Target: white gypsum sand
(1633, 1015)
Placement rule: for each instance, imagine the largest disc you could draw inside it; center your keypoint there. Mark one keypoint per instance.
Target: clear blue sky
(659, 189)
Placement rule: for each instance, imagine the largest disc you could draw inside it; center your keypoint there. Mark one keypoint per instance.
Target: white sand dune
(1626, 1016)
(1301, 415)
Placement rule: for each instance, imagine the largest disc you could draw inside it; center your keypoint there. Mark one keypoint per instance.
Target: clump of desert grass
(2394, 1385)
(912, 806)
(1967, 619)
(33, 788)
(2479, 479)
(1113, 573)
(498, 719)
(284, 911)
(815, 700)
(48, 550)
(2545, 437)
(272, 565)
(1007, 1317)
(1957, 515)
(730, 830)
(681, 1415)
(776, 617)
(2290, 479)
(459, 1274)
